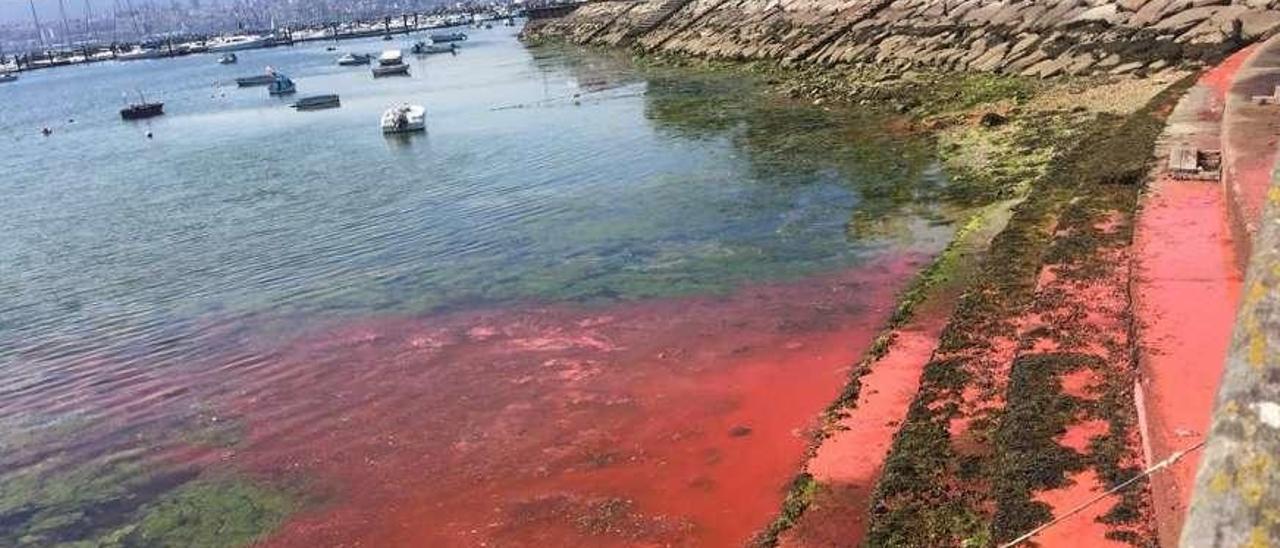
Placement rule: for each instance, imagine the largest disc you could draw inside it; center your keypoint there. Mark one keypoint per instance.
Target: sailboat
(141, 109)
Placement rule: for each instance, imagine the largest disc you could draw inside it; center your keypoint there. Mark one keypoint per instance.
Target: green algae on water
(120, 501)
(213, 513)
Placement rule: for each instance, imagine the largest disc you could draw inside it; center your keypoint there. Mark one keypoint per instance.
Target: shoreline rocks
(1041, 38)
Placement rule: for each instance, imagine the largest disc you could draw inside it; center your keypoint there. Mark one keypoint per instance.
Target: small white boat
(228, 59)
(389, 63)
(404, 118)
(139, 52)
(7, 77)
(236, 43)
(391, 57)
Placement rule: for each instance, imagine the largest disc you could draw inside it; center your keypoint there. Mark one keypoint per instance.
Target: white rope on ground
(1153, 469)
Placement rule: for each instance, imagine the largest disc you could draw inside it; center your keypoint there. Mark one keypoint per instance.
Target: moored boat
(391, 57)
(390, 70)
(404, 118)
(7, 77)
(258, 80)
(139, 52)
(391, 62)
(423, 48)
(228, 59)
(142, 109)
(442, 37)
(281, 85)
(317, 102)
(236, 43)
(352, 59)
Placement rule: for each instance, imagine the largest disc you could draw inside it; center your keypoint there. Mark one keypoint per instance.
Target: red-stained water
(662, 422)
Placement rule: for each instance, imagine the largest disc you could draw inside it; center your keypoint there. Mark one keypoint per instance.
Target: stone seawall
(1030, 37)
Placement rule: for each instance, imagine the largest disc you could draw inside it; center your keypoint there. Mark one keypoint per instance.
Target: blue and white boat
(281, 85)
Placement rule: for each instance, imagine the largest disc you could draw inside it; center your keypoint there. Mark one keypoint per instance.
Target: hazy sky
(17, 10)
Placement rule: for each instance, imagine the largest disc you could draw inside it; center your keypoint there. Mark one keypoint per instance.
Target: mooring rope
(1153, 469)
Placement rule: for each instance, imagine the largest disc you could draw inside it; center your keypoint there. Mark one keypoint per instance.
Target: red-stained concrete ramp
(1186, 287)
(1249, 137)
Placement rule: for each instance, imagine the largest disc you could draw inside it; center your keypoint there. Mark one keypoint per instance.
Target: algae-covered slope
(1028, 395)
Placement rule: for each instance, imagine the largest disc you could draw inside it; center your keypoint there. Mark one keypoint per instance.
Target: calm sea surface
(175, 311)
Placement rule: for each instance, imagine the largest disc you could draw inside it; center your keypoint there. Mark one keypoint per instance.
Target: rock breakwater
(1025, 37)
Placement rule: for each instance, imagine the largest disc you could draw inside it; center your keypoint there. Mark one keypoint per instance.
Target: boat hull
(390, 70)
(317, 102)
(250, 81)
(448, 37)
(354, 61)
(428, 49)
(138, 112)
(241, 45)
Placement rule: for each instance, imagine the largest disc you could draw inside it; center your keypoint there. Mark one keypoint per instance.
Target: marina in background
(180, 44)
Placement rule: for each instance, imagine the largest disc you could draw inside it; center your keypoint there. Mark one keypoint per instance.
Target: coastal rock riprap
(1042, 38)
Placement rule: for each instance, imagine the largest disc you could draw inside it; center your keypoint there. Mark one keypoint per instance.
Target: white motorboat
(140, 53)
(391, 57)
(389, 63)
(236, 43)
(404, 118)
(7, 77)
(227, 59)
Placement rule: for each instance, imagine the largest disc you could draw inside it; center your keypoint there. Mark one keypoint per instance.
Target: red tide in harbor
(664, 422)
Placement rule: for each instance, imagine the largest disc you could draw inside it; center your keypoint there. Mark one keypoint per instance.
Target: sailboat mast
(133, 15)
(88, 19)
(36, 19)
(66, 28)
